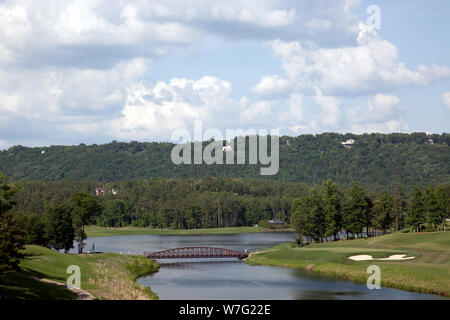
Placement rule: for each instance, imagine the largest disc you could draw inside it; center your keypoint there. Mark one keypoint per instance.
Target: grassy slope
(106, 276)
(94, 231)
(429, 272)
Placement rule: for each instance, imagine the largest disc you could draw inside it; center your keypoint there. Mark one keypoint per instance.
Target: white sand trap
(361, 257)
(365, 257)
(397, 257)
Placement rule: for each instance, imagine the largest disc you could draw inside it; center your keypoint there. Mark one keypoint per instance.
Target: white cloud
(256, 111)
(271, 86)
(3, 145)
(381, 114)
(372, 65)
(379, 108)
(390, 126)
(330, 106)
(155, 112)
(79, 69)
(292, 118)
(93, 34)
(98, 33)
(446, 99)
(50, 93)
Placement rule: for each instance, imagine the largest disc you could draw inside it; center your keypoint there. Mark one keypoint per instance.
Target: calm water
(205, 279)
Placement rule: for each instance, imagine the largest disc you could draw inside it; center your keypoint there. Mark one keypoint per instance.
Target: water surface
(223, 279)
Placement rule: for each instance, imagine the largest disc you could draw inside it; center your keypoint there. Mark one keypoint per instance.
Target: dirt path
(82, 294)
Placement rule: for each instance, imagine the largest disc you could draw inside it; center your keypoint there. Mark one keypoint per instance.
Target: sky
(94, 71)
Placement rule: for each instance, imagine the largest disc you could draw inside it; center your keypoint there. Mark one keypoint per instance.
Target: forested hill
(377, 161)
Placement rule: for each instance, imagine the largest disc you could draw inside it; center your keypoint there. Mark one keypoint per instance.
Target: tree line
(54, 214)
(59, 225)
(377, 161)
(328, 213)
(170, 203)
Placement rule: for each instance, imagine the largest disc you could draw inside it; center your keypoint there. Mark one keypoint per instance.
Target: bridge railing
(196, 252)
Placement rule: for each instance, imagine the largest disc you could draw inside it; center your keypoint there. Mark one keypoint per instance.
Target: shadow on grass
(33, 273)
(19, 285)
(37, 274)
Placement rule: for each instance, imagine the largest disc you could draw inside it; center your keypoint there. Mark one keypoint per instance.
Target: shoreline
(105, 276)
(344, 277)
(421, 275)
(95, 231)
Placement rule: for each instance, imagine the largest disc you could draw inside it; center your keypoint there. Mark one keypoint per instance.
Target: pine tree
(84, 208)
(355, 210)
(400, 208)
(59, 227)
(11, 240)
(416, 210)
(332, 207)
(443, 203)
(383, 211)
(318, 219)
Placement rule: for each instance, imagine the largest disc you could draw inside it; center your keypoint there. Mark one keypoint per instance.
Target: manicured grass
(106, 276)
(95, 231)
(429, 272)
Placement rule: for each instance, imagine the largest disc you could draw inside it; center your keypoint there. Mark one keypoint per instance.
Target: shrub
(141, 266)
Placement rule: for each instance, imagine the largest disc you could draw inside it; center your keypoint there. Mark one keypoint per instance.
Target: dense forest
(328, 213)
(54, 214)
(376, 161)
(170, 203)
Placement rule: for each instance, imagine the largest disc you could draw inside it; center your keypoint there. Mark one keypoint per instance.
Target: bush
(141, 266)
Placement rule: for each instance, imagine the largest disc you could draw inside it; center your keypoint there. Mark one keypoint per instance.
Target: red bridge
(196, 252)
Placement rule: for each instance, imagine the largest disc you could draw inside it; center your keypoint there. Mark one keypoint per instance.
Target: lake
(223, 279)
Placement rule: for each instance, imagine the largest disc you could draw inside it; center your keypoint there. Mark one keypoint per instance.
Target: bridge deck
(196, 252)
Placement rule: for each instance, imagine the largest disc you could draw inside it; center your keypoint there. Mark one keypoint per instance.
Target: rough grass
(429, 272)
(106, 276)
(95, 231)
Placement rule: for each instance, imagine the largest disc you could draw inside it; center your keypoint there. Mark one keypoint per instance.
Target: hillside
(377, 161)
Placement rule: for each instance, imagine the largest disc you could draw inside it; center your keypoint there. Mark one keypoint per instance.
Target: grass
(95, 231)
(106, 276)
(429, 272)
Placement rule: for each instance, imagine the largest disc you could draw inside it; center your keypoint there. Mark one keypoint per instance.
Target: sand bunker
(365, 257)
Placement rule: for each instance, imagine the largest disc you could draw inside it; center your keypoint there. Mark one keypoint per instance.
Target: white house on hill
(348, 144)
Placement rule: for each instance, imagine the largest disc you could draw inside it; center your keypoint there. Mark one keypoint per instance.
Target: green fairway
(106, 276)
(94, 231)
(429, 272)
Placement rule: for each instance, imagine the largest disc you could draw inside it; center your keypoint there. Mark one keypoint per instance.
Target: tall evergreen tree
(355, 210)
(368, 213)
(383, 211)
(84, 208)
(318, 215)
(332, 208)
(442, 197)
(400, 208)
(59, 227)
(35, 231)
(433, 215)
(416, 210)
(11, 238)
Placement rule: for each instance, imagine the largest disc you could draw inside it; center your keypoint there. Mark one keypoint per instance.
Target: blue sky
(94, 71)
